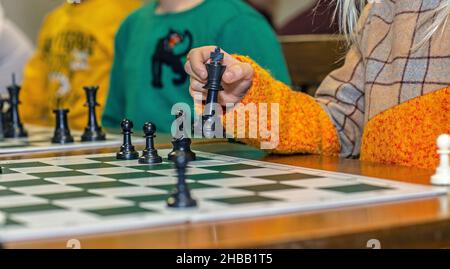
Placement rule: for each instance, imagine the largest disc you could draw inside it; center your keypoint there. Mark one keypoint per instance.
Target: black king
(93, 131)
(215, 69)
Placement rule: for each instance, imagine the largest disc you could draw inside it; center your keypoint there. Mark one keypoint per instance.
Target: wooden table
(411, 224)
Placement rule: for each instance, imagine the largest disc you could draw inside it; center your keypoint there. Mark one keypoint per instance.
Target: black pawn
(61, 134)
(181, 142)
(14, 127)
(93, 131)
(127, 150)
(150, 154)
(181, 197)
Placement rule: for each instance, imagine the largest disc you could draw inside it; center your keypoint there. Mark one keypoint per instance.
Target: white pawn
(442, 176)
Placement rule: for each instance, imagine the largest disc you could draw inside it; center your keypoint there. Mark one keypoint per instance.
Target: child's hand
(236, 80)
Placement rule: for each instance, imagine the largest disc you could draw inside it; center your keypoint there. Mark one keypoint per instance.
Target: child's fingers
(237, 72)
(196, 60)
(197, 86)
(191, 72)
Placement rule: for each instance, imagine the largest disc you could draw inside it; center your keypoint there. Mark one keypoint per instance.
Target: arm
(304, 127)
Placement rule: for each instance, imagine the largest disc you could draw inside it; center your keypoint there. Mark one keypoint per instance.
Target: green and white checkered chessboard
(39, 140)
(67, 196)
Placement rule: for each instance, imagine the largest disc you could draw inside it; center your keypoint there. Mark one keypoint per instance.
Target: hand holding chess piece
(442, 176)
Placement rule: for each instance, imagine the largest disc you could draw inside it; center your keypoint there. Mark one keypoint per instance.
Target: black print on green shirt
(166, 54)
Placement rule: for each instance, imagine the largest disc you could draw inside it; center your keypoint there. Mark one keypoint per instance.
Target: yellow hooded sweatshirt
(75, 49)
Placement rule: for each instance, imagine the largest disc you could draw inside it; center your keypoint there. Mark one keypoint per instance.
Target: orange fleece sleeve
(304, 127)
(406, 134)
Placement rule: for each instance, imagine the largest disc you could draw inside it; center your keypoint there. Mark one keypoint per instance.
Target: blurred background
(288, 17)
(309, 37)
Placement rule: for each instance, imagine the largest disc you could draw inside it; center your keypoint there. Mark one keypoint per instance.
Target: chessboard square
(30, 208)
(67, 195)
(303, 195)
(79, 179)
(239, 181)
(206, 164)
(192, 186)
(259, 172)
(69, 173)
(287, 177)
(189, 171)
(126, 163)
(244, 200)
(42, 169)
(102, 185)
(86, 166)
(356, 188)
(7, 193)
(201, 159)
(210, 176)
(148, 198)
(108, 171)
(127, 191)
(7, 171)
(232, 167)
(197, 159)
(54, 218)
(162, 166)
(120, 211)
(134, 175)
(69, 161)
(15, 177)
(24, 165)
(24, 183)
(19, 200)
(9, 222)
(219, 193)
(45, 189)
(106, 159)
(90, 203)
(154, 181)
(267, 187)
(319, 182)
(204, 206)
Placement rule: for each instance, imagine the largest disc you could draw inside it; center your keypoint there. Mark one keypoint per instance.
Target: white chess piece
(442, 176)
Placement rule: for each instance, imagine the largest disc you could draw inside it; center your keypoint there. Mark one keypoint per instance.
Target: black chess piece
(150, 154)
(13, 125)
(127, 150)
(181, 142)
(181, 196)
(93, 131)
(62, 133)
(215, 70)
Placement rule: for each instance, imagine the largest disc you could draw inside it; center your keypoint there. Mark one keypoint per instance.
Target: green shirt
(148, 75)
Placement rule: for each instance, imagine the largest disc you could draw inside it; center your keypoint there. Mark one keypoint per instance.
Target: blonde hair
(347, 13)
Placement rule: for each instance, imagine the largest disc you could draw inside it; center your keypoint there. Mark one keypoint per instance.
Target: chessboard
(39, 140)
(88, 194)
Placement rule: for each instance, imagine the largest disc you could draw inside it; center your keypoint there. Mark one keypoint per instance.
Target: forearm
(303, 126)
